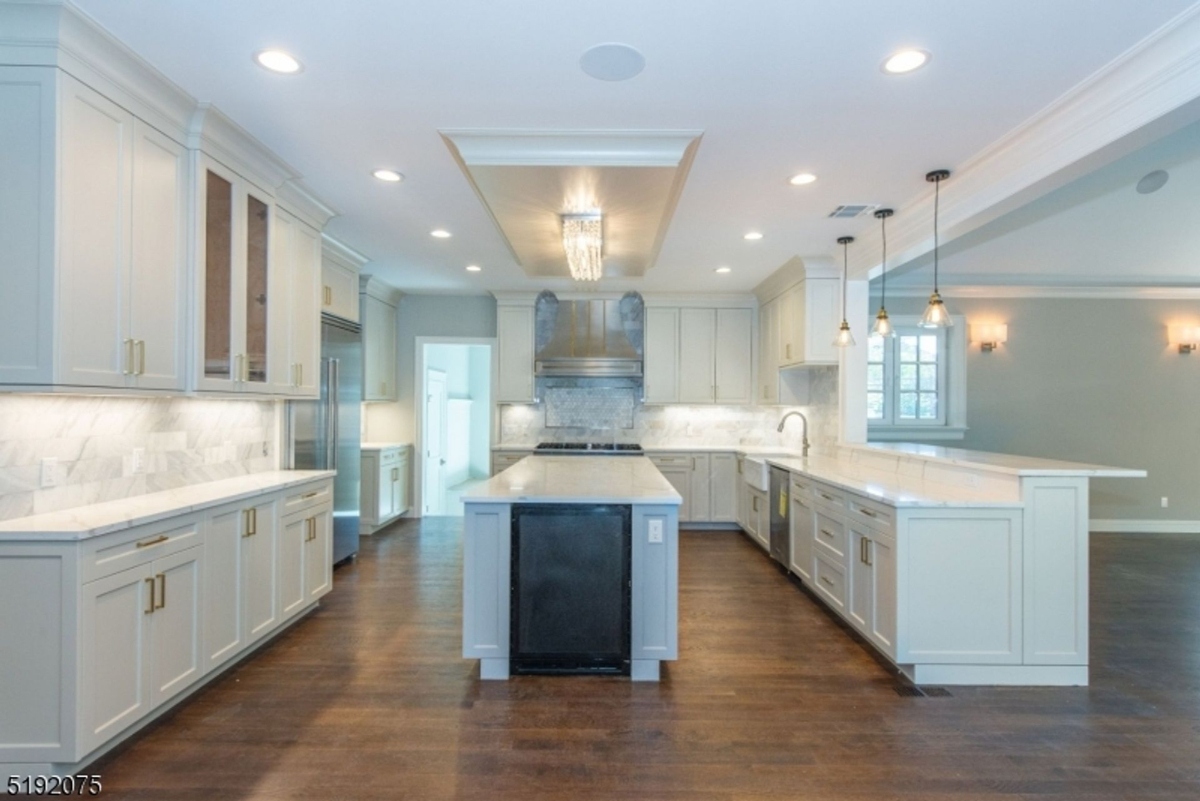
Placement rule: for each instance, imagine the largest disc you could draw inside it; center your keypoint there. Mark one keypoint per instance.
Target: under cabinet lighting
(1185, 337)
(989, 336)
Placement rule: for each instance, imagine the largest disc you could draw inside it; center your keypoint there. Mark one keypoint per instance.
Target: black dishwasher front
(781, 535)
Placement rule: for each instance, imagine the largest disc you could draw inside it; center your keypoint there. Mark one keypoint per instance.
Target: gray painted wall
(1091, 381)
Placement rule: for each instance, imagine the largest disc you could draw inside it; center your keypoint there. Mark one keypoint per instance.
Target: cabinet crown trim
(792, 272)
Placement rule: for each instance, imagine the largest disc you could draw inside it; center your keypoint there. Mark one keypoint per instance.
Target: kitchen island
(567, 557)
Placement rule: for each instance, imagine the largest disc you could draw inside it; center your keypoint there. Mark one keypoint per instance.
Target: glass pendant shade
(883, 325)
(844, 338)
(936, 315)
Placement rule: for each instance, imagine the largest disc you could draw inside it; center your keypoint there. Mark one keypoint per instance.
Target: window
(912, 384)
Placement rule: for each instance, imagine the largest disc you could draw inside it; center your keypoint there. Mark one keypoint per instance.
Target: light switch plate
(656, 531)
(137, 461)
(53, 474)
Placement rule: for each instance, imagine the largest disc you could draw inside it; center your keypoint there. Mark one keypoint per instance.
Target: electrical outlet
(137, 461)
(53, 474)
(1164, 502)
(656, 531)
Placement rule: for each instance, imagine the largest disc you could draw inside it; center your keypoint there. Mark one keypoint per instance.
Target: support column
(852, 367)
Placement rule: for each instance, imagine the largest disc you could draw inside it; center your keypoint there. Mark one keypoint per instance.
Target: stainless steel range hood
(589, 338)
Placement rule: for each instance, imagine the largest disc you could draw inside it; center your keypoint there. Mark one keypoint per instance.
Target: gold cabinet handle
(155, 541)
(789, 350)
(300, 371)
(826, 497)
(162, 591)
(826, 581)
(868, 512)
(826, 533)
(867, 552)
(308, 495)
(327, 295)
(141, 350)
(754, 501)
(149, 610)
(128, 369)
(251, 522)
(693, 462)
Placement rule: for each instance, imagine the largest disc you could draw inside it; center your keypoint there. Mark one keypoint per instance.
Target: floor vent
(909, 691)
(853, 210)
(937, 692)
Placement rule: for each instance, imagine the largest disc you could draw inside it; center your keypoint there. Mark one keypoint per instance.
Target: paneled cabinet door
(862, 583)
(260, 570)
(220, 278)
(224, 631)
(96, 166)
(681, 479)
(514, 334)
(379, 342)
(115, 654)
(158, 261)
(383, 490)
(822, 313)
(178, 660)
(734, 372)
(723, 488)
(768, 350)
(338, 290)
(306, 311)
(699, 489)
(318, 556)
(883, 567)
(292, 547)
(697, 355)
(791, 326)
(279, 345)
(801, 520)
(661, 367)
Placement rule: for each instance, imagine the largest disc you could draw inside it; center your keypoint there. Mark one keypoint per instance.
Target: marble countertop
(997, 462)
(105, 518)
(383, 446)
(577, 479)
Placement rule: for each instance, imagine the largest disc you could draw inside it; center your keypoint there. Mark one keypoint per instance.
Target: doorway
(455, 421)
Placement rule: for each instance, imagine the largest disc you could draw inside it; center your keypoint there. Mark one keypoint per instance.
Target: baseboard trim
(1145, 526)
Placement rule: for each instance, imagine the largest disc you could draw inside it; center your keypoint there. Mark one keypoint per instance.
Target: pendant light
(936, 315)
(844, 338)
(883, 324)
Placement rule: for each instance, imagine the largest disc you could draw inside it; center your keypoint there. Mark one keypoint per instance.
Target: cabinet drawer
(503, 461)
(113, 553)
(671, 459)
(308, 496)
(823, 493)
(831, 538)
(830, 581)
(801, 486)
(390, 456)
(873, 514)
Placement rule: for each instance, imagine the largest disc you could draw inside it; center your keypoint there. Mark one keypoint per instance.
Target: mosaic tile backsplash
(593, 414)
(185, 440)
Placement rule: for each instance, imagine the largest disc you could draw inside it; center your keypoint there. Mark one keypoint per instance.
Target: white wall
(468, 370)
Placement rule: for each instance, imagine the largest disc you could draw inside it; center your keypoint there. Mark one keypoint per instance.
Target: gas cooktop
(589, 449)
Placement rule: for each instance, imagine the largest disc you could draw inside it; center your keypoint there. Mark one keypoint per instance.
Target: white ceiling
(777, 87)
(1095, 231)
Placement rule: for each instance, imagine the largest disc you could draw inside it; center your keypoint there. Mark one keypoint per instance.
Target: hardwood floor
(369, 698)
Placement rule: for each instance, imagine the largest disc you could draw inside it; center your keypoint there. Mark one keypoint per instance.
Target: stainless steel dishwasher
(781, 538)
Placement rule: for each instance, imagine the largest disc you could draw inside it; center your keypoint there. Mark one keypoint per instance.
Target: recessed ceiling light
(722, 270)
(906, 61)
(801, 179)
(612, 61)
(1152, 182)
(440, 233)
(474, 268)
(278, 61)
(391, 176)
(752, 236)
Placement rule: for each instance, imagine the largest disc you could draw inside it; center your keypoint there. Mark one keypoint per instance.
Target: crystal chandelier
(583, 241)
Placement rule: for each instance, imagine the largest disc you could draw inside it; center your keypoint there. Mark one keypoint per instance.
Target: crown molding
(792, 272)
(215, 134)
(1096, 292)
(1150, 90)
(337, 250)
(301, 201)
(571, 148)
(379, 289)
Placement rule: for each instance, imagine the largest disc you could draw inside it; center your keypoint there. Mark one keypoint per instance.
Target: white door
(434, 442)
(115, 655)
(318, 556)
(661, 367)
(223, 583)
(735, 356)
(722, 487)
(177, 659)
(260, 571)
(292, 547)
(158, 260)
(697, 332)
(93, 239)
(802, 532)
(514, 336)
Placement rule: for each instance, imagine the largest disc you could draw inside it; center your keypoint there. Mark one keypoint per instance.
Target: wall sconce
(1187, 337)
(989, 335)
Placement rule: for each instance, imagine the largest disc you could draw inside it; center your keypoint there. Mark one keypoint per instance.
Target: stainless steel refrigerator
(324, 434)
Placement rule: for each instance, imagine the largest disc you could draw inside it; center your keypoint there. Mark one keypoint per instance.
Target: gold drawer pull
(826, 533)
(827, 581)
(826, 497)
(312, 494)
(868, 513)
(155, 541)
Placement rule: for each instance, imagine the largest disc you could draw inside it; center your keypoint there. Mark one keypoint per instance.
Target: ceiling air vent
(853, 210)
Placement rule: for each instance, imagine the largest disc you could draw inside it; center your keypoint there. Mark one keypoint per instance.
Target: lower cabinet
(318, 555)
(502, 460)
(723, 482)
(680, 476)
(385, 480)
(758, 517)
(242, 596)
(802, 532)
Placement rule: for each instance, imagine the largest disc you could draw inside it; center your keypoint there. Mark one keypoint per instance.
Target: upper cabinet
(798, 315)
(147, 243)
(93, 220)
(340, 267)
(699, 355)
(380, 319)
(515, 351)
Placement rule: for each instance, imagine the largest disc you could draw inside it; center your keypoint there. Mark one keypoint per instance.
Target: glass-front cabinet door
(258, 223)
(217, 224)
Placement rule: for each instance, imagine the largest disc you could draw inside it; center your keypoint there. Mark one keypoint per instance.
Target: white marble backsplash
(657, 426)
(185, 441)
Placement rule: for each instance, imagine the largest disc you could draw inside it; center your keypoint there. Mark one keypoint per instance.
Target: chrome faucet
(804, 440)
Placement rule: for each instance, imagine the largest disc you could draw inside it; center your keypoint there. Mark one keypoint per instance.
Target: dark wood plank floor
(369, 698)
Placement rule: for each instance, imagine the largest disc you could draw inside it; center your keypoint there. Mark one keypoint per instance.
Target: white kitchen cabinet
(758, 520)
(698, 348)
(224, 622)
(318, 554)
(700, 489)
(379, 349)
(733, 371)
(680, 477)
(94, 229)
(743, 496)
(723, 487)
(294, 339)
(502, 460)
(802, 532)
(515, 347)
(177, 659)
(293, 541)
(691, 476)
(809, 314)
(871, 595)
(385, 482)
(260, 569)
(339, 288)
(661, 356)
(768, 353)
